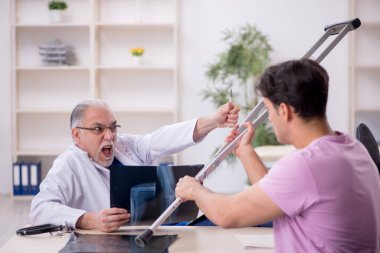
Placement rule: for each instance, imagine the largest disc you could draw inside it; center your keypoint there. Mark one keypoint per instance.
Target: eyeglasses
(100, 129)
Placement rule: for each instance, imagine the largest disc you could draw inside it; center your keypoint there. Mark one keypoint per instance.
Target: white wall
(5, 99)
(292, 27)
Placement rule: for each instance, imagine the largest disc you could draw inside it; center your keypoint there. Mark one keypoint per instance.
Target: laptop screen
(146, 192)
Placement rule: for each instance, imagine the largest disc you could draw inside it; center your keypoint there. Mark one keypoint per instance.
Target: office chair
(365, 136)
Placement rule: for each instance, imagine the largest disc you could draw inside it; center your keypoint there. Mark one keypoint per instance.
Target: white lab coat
(75, 184)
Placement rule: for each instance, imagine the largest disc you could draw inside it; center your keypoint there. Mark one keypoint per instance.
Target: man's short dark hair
(302, 84)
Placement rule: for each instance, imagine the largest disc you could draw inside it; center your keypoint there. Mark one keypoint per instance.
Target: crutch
(339, 29)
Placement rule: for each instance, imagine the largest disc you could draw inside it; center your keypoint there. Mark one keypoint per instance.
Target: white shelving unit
(365, 67)
(102, 32)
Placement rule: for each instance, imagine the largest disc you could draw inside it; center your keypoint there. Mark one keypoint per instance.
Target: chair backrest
(365, 136)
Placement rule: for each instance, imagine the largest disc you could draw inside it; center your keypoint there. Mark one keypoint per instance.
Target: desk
(190, 240)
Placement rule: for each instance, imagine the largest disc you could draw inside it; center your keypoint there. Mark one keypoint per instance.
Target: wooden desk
(190, 239)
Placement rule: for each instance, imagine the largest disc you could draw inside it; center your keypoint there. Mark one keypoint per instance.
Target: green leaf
(57, 5)
(264, 135)
(246, 56)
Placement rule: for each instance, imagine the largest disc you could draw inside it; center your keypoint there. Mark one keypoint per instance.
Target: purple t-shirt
(330, 194)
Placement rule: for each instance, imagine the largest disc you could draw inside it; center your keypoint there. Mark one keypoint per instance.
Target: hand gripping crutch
(339, 29)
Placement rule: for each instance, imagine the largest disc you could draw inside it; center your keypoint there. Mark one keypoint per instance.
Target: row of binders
(26, 178)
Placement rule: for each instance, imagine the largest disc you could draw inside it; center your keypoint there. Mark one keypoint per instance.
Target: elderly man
(76, 190)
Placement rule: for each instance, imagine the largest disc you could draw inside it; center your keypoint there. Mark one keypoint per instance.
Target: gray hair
(79, 110)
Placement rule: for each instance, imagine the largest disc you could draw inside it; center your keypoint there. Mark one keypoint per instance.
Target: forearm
(253, 165)
(165, 141)
(86, 221)
(221, 209)
(45, 211)
(203, 126)
(214, 206)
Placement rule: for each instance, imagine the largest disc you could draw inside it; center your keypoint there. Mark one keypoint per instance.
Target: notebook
(146, 192)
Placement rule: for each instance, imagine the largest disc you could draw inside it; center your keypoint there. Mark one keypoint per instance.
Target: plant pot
(56, 16)
(137, 60)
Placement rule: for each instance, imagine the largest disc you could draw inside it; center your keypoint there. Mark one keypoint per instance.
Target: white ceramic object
(137, 60)
(56, 16)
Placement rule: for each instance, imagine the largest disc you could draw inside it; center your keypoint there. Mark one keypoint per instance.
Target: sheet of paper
(256, 241)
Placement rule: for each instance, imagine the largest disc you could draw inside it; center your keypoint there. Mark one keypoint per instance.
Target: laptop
(146, 192)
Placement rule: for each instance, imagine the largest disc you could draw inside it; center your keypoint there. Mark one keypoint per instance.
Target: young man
(76, 190)
(323, 197)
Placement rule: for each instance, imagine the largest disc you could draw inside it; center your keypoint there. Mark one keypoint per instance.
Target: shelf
(136, 25)
(136, 68)
(49, 25)
(28, 40)
(25, 12)
(143, 97)
(114, 47)
(367, 109)
(150, 110)
(132, 11)
(49, 68)
(23, 197)
(365, 67)
(39, 152)
(42, 111)
(50, 91)
(370, 24)
(368, 67)
(366, 41)
(147, 110)
(367, 11)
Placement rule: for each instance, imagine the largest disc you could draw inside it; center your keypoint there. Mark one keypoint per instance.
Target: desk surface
(190, 239)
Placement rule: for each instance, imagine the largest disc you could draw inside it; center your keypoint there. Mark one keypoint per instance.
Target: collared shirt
(76, 185)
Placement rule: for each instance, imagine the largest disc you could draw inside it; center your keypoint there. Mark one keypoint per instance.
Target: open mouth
(108, 151)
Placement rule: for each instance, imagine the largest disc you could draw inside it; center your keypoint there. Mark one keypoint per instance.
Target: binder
(35, 177)
(25, 179)
(17, 179)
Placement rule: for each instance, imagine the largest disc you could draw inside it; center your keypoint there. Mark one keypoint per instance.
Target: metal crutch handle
(211, 166)
(249, 118)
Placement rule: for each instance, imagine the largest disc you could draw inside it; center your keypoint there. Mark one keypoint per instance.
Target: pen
(230, 96)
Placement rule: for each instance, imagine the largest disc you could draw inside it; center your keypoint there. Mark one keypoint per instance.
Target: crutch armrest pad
(336, 28)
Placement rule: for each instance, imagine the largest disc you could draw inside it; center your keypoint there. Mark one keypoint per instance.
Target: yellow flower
(137, 51)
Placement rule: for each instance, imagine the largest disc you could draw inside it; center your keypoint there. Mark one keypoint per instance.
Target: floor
(13, 215)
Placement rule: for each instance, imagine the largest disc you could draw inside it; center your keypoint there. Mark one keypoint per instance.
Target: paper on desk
(256, 241)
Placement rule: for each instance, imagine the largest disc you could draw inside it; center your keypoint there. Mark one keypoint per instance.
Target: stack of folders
(26, 178)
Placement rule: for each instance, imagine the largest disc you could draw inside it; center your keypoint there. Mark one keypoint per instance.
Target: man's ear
(75, 135)
(285, 111)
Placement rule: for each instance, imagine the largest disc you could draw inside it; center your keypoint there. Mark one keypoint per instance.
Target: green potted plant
(56, 9)
(237, 68)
